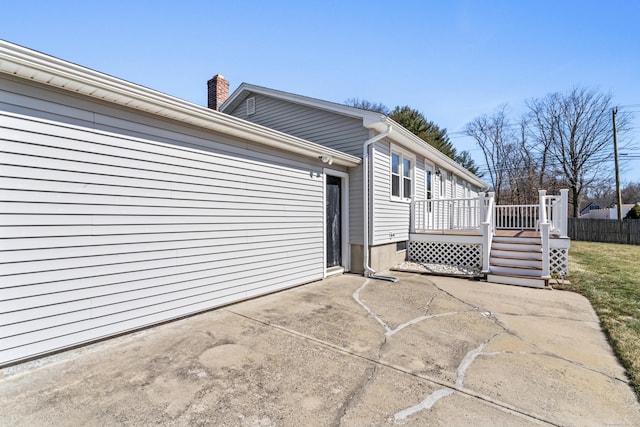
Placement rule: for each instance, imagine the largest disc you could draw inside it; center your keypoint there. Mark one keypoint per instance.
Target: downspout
(368, 271)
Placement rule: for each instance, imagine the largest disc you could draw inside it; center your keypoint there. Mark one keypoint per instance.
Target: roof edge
(51, 71)
(411, 141)
(370, 120)
(334, 107)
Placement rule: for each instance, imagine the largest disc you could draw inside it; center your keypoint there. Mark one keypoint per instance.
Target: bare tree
(631, 193)
(565, 141)
(541, 123)
(364, 104)
(579, 128)
(495, 137)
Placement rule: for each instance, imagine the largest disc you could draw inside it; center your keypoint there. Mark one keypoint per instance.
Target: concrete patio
(345, 351)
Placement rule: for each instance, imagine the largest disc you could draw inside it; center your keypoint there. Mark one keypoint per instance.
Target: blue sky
(452, 60)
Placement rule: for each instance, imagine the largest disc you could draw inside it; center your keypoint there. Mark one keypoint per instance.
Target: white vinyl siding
(332, 130)
(442, 184)
(390, 219)
(356, 214)
(103, 233)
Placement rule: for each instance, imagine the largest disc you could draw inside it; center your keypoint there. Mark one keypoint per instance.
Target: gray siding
(103, 233)
(332, 130)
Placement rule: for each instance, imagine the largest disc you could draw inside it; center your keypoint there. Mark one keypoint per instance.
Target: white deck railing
(549, 216)
(517, 217)
(470, 213)
(447, 214)
(550, 209)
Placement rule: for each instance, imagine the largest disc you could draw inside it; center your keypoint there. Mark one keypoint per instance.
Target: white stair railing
(556, 209)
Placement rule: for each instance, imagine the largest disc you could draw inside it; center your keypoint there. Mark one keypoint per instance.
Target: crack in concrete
(417, 320)
(548, 316)
(543, 352)
(356, 297)
(388, 330)
(546, 353)
(466, 363)
(427, 403)
(361, 388)
(434, 397)
(502, 406)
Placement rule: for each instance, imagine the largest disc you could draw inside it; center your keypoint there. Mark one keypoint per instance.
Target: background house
(591, 206)
(606, 213)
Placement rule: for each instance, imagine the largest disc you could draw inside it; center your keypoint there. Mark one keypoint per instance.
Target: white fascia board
(35, 66)
(413, 143)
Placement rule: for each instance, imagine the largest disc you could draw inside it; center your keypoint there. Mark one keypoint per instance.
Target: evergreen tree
(415, 122)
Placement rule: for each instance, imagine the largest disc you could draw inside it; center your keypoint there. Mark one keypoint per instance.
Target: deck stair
(516, 259)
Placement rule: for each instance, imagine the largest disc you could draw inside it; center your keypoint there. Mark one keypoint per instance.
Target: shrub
(634, 212)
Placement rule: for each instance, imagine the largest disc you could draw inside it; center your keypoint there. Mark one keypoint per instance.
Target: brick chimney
(218, 91)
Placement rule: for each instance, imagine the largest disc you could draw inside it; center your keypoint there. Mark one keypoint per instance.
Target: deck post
(481, 207)
(412, 216)
(542, 214)
(487, 228)
(564, 212)
(544, 234)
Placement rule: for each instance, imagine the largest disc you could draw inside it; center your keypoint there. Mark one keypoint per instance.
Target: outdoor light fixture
(438, 172)
(326, 159)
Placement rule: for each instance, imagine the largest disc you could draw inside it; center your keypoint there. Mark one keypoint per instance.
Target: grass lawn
(609, 276)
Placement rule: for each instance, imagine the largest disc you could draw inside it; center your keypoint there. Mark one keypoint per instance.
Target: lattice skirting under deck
(559, 261)
(458, 254)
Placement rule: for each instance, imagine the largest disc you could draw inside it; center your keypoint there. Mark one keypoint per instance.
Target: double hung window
(401, 176)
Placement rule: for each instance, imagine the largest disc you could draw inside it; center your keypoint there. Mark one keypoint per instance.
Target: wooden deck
(499, 233)
(517, 233)
(450, 232)
(522, 233)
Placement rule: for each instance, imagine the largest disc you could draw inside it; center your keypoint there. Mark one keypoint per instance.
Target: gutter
(412, 142)
(368, 271)
(30, 65)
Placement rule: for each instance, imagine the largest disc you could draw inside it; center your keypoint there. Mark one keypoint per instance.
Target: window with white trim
(406, 178)
(395, 175)
(401, 176)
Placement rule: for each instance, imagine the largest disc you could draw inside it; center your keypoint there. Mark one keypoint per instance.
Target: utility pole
(614, 111)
